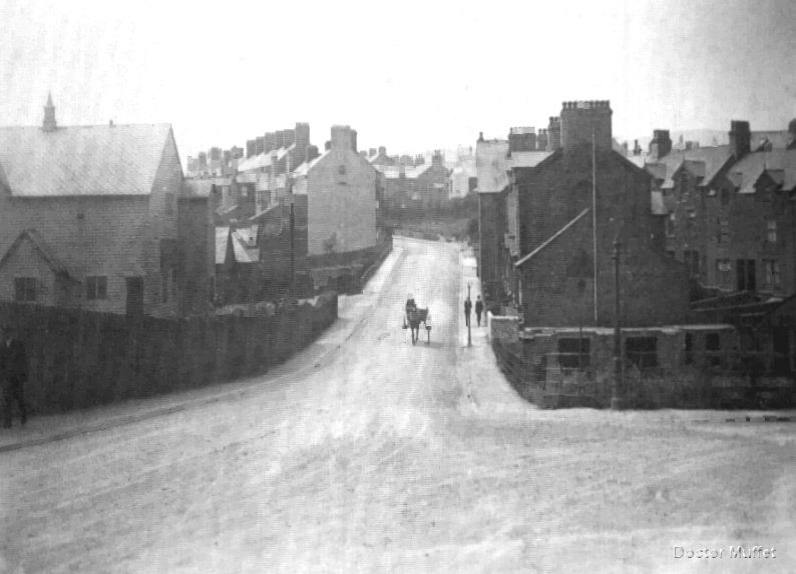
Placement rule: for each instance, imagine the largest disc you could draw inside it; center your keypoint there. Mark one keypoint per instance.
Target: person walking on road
(479, 308)
(468, 305)
(13, 374)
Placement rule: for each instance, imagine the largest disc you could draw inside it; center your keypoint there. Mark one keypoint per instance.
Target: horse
(415, 316)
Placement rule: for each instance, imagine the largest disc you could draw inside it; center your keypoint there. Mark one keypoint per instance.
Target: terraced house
(731, 210)
(90, 218)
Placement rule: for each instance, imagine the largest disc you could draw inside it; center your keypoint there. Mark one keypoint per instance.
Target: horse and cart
(414, 317)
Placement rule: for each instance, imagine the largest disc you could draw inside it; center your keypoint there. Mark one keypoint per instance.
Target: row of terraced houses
(705, 239)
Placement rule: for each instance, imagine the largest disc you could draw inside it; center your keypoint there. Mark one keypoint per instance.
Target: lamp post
(616, 390)
(469, 337)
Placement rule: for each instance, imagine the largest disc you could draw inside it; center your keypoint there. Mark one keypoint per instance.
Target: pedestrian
(468, 305)
(479, 308)
(13, 375)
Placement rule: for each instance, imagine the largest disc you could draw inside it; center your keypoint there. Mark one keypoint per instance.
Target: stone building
(582, 184)
(90, 217)
(730, 214)
(342, 203)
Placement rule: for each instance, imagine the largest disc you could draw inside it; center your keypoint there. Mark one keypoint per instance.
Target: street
(367, 454)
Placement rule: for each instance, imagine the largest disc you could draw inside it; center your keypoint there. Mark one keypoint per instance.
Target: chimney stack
(661, 144)
(585, 121)
(522, 139)
(554, 134)
(342, 137)
(740, 138)
(541, 140)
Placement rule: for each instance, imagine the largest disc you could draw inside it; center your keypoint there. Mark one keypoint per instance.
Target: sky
(410, 75)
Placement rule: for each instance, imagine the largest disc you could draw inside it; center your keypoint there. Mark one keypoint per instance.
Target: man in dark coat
(479, 308)
(13, 374)
(468, 305)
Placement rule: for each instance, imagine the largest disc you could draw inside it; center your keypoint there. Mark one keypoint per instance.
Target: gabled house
(104, 200)
(341, 197)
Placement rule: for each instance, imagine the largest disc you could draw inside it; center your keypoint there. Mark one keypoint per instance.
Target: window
(574, 353)
(671, 224)
(689, 348)
(724, 272)
(725, 196)
(25, 289)
(691, 258)
(642, 351)
(771, 231)
(96, 288)
(712, 342)
(745, 275)
(772, 273)
(712, 349)
(723, 235)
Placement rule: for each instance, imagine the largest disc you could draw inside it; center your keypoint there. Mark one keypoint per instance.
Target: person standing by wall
(13, 374)
(479, 308)
(468, 305)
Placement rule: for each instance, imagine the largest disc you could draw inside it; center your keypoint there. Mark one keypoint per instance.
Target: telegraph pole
(292, 251)
(616, 387)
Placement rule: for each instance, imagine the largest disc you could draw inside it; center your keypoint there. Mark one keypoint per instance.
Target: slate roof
(81, 160)
(528, 158)
(704, 162)
(198, 187)
(263, 160)
(745, 172)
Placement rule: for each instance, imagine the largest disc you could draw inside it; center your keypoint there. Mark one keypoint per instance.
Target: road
(366, 454)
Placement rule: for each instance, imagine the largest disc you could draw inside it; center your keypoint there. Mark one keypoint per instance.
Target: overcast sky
(409, 75)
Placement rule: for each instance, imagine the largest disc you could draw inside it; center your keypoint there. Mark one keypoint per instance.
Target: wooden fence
(80, 359)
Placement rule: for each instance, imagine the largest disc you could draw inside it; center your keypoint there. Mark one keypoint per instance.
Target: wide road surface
(366, 454)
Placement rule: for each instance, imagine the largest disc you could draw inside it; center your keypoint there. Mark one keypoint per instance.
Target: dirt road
(366, 454)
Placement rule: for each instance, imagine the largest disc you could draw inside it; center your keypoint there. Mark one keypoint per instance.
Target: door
(135, 296)
(781, 336)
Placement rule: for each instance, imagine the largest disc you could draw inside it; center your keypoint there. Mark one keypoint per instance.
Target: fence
(726, 380)
(80, 359)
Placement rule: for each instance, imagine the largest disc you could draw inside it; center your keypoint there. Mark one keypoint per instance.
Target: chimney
(541, 140)
(437, 159)
(583, 120)
(382, 150)
(354, 140)
(554, 134)
(522, 139)
(480, 136)
(312, 152)
(49, 124)
(327, 146)
(342, 137)
(661, 144)
(259, 146)
(740, 138)
(636, 148)
(250, 148)
(269, 142)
